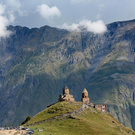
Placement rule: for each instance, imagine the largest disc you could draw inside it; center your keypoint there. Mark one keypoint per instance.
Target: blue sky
(64, 13)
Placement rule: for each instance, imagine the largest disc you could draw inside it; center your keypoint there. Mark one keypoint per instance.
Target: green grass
(55, 110)
(84, 123)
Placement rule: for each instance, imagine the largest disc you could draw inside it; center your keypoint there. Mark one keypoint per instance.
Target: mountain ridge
(36, 63)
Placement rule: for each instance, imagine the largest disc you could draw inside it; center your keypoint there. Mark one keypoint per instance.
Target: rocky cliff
(36, 63)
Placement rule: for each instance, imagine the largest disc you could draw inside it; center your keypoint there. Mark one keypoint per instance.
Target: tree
(26, 120)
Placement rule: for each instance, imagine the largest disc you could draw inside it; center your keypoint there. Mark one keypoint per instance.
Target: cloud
(97, 27)
(11, 17)
(14, 6)
(4, 22)
(72, 27)
(48, 12)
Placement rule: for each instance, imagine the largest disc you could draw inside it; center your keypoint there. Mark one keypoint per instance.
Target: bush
(26, 120)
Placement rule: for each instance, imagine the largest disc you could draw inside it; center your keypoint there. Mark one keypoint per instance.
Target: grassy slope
(55, 110)
(88, 122)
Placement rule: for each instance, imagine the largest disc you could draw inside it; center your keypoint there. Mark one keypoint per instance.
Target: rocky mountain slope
(75, 118)
(35, 64)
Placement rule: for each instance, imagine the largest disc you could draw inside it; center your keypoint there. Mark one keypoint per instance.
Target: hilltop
(76, 118)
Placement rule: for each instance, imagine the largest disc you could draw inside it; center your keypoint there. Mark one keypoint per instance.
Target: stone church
(85, 99)
(66, 96)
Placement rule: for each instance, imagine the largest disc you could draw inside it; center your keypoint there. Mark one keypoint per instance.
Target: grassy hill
(65, 118)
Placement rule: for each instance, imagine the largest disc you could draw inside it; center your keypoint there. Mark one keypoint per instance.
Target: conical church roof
(65, 87)
(84, 91)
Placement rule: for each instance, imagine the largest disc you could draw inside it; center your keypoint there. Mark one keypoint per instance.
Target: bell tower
(85, 98)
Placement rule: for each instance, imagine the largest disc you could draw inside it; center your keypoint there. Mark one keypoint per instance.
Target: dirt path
(12, 132)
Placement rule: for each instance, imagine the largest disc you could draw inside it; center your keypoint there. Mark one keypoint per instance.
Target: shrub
(26, 120)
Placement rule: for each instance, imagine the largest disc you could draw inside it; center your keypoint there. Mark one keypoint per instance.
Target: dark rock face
(35, 64)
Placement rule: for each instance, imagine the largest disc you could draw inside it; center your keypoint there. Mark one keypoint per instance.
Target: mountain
(36, 63)
(75, 118)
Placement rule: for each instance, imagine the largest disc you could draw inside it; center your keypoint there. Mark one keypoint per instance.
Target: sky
(68, 14)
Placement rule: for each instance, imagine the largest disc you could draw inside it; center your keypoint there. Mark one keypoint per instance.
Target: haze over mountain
(36, 63)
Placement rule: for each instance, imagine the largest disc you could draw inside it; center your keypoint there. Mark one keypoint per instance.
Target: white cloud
(11, 17)
(3, 27)
(97, 27)
(4, 22)
(72, 27)
(48, 12)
